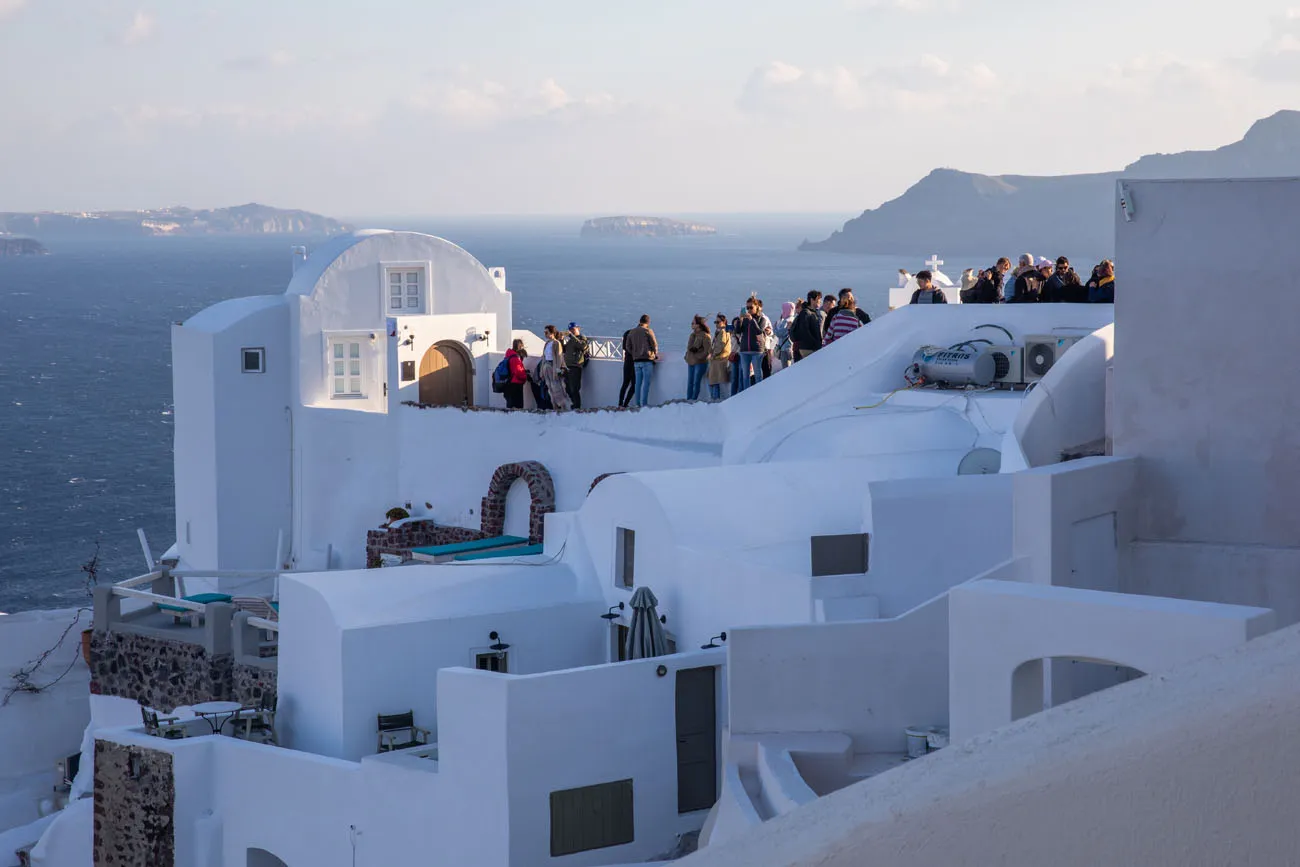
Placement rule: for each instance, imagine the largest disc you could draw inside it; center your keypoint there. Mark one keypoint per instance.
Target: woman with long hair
(719, 358)
(698, 347)
(551, 369)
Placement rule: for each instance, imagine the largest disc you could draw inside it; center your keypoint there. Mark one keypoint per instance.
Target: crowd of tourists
(1030, 281)
(727, 355)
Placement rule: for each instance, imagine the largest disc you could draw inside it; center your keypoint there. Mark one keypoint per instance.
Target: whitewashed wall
(1202, 388)
(928, 535)
(868, 679)
(568, 729)
(1207, 749)
(40, 728)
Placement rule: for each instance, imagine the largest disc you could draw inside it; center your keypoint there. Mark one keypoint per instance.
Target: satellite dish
(980, 462)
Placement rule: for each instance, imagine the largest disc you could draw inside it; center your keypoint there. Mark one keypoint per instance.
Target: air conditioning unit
(1009, 364)
(1043, 351)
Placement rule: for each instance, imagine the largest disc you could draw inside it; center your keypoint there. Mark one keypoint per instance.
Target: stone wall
(540, 487)
(159, 672)
(135, 798)
(413, 534)
(250, 682)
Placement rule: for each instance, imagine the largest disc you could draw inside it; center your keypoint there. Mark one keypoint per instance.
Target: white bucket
(937, 739)
(918, 741)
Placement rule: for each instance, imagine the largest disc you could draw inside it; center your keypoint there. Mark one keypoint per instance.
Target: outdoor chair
(258, 607)
(166, 727)
(195, 618)
(258, 722)
(398, 731)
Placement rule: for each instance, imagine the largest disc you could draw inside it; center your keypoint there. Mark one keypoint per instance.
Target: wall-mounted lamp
(661, 670)
(610, 615)
(663, 618)
(498, 645)
(713, 642)
(409, 341)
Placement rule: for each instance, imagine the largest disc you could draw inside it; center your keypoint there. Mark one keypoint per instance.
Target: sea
(85, 372)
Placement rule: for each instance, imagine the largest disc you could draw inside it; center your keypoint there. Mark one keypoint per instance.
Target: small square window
(625, 557)
(254, 359)
(408, 371)
(406, 286)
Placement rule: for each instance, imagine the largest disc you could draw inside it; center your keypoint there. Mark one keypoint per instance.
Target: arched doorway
(446, 372)
(541, 491)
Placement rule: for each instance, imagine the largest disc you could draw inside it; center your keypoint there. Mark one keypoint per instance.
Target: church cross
(933, 262)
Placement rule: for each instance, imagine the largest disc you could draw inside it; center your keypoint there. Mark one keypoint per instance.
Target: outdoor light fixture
(500, 646)
(713, 642)
(610, 615)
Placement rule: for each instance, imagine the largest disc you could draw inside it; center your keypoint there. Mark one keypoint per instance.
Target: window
(840, 555)
(591, 817)
(345, 368)
(408, 371)
(405, 289)
(620, 642)
(625, 556)
(492, 661)
(254, 359)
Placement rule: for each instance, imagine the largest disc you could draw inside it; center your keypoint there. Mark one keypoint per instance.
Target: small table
(217, 713)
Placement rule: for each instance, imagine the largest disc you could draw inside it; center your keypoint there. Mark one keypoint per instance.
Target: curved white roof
(222, 315)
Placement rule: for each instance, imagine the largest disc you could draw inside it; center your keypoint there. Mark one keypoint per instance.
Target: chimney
(299, 256)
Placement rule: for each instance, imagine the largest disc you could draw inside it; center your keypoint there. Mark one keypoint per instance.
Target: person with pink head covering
(784, 346)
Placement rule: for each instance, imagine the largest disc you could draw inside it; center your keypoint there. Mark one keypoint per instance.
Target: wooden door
(697, 733)
(445, 375)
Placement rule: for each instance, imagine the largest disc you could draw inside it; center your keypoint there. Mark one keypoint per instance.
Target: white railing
(130, 592)
(608, 348)
(263, 623)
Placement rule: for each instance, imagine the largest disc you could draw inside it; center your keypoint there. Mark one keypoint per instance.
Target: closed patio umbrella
(646, 637)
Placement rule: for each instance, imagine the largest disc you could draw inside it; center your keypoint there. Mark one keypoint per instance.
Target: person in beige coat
(698, 350)
(719, 358)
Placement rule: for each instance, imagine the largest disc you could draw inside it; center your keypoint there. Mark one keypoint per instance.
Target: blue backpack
(501, 376)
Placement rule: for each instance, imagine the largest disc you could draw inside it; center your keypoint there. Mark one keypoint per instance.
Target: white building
(844, 565)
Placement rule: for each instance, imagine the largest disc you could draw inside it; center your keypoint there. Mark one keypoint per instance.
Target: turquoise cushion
(523, 551)
(203, 598)
(469, 547)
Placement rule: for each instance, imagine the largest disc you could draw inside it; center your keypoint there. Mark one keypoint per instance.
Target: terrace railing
(605, 348)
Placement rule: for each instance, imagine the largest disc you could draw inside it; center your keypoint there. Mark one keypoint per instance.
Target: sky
(588, 107)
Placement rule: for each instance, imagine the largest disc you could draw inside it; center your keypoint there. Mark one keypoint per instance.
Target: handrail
(119, 590)
(610, 348)
(263, 623)
(140, 579)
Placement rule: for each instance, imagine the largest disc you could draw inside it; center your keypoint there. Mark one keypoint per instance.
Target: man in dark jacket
(926, 292)
(989, 289)
(575, 359)
(806, 330)
(1053, 290)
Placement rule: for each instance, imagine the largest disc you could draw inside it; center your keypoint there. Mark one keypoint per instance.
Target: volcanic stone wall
(159, 672)
(135, 800)
(413, 534)
(250, 682)
(540, 487)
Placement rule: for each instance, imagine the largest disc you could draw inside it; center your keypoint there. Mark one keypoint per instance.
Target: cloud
(143, 26)
(929, 83)
(1279, 58)
(10, 7)
(278, 59)
(461, 101)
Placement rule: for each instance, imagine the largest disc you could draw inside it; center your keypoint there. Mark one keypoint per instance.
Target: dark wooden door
(697, 739)
(445, 376)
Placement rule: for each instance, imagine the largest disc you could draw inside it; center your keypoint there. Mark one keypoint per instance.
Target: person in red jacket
(514, 390)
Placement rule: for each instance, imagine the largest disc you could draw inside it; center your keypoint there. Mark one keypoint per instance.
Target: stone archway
(446, 375)
(540, 488)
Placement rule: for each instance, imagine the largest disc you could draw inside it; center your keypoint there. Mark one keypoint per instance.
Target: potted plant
(396, 513)
(85, 645)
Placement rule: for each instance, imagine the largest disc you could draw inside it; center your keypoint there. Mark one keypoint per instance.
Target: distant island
(12, 245)
(250, 219)
(961, 213)
(642, 227)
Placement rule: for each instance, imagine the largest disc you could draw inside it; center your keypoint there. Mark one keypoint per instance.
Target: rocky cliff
(964, 213)
(649, 227)
(250, 219)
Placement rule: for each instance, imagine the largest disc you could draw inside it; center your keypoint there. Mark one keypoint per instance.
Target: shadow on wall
(1070, 679)
(263, 858)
